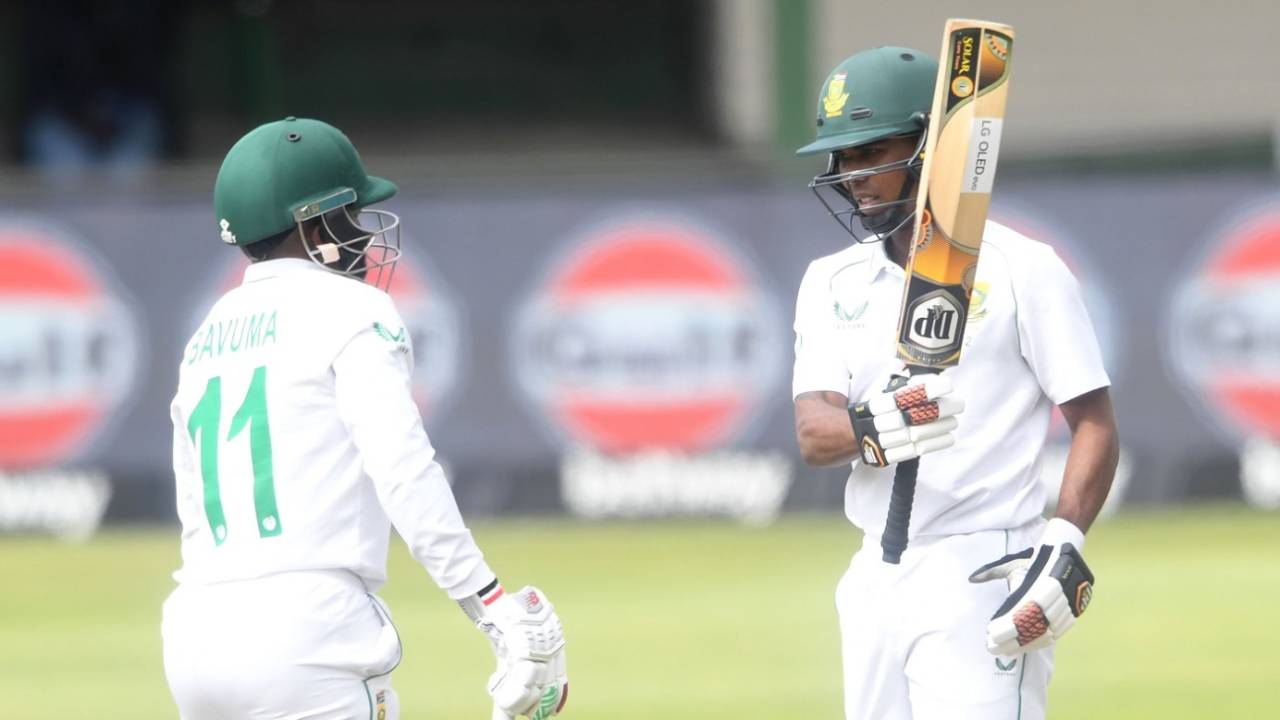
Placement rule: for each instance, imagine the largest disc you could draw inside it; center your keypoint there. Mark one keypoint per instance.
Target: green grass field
(683, 620)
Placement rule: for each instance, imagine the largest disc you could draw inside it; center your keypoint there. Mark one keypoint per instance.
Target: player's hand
(1051, 587)
(528, 641)
(906, 421)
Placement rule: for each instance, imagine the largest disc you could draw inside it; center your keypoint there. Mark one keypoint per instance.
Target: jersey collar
(275, 268)
(881, 265)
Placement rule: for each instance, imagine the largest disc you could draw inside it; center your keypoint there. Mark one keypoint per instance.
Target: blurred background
(606, 227)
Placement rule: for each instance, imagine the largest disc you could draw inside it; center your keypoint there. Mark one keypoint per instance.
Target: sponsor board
(748, 487)
(67, 503)
(1223, 329)
(647, 348)
(1222, 343)
(70, 355)
(649, 332)
(69, 345)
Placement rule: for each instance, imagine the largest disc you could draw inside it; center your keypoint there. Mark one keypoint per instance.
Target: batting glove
(913, 417)
(528, 642)
(1051, 587)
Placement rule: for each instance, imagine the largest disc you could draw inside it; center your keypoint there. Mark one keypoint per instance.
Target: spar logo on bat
(432, 322)
(1223, 333)
(69, 345)
(648, 333)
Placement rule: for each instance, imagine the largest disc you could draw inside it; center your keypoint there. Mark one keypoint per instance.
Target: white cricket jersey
(296, 441)
(1028, 345)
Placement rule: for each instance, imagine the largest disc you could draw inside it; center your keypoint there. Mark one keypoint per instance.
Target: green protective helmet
(293, 170)
(873, 95)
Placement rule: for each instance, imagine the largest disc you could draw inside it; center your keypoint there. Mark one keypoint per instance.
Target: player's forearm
(1091, 464)
(826, 437)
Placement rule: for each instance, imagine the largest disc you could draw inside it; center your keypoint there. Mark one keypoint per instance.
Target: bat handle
(894, 539)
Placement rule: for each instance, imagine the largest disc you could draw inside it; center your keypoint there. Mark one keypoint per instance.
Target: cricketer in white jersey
(931, 638)
(297, 447)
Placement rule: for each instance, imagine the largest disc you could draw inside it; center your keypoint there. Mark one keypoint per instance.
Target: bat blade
(961, 151)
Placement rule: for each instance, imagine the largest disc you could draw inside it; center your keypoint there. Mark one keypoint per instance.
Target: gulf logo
(69, 351)
(430, 312)
(1223, 333)
(648, 333)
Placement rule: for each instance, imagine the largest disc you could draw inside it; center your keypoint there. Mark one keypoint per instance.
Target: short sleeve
(1055, 334)
(819, 366)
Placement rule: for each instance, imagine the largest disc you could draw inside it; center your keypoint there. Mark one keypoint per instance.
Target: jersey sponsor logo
(1223, 329)
(386, 334)
(847, 318)
(649, 333)
(69, 345)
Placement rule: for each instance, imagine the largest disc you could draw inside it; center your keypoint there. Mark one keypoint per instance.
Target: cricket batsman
(964, 627)
(297, 447)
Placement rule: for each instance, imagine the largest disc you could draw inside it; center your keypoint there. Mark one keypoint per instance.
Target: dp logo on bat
(935, 326)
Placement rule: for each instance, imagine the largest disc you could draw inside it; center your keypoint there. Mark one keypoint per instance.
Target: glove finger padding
(909, 420)
(1055, 588)
(529, 643)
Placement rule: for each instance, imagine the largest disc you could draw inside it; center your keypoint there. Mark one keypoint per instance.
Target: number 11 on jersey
(204, 424)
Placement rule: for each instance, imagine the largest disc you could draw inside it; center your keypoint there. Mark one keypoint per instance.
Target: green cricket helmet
(293, 171)
(877, 94)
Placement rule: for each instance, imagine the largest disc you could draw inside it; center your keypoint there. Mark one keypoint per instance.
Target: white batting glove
(1051, 587)
(528, 642)
(908, 421)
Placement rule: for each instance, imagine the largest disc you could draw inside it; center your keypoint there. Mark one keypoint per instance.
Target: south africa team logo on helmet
(836, 97)
(650, 333)
(1224, 326)
(68, 345)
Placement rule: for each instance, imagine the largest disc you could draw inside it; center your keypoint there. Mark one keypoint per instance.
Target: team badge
(836, 97)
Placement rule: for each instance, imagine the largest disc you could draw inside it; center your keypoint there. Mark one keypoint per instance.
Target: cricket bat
(951, 212)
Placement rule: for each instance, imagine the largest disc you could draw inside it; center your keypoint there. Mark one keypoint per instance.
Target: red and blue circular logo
(69, 345)
(650, 332)
(1223, 334)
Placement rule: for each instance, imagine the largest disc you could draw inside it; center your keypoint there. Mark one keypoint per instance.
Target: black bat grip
(894, 540)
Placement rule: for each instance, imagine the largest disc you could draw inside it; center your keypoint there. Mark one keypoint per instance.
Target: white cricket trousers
(913, 636)
(294, 645)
